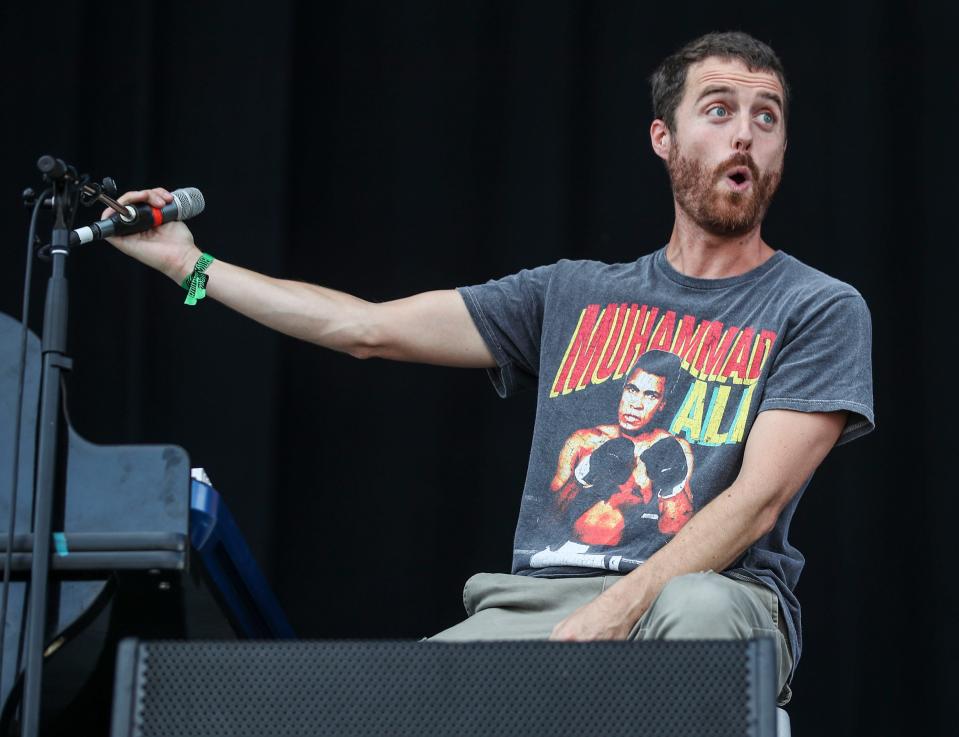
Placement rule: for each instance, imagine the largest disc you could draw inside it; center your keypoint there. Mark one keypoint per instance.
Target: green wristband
(195, 283)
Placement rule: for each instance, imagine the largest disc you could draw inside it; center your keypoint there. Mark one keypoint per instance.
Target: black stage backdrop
(386, 148)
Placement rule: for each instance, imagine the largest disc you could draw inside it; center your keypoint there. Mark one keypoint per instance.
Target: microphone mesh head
(189, 202)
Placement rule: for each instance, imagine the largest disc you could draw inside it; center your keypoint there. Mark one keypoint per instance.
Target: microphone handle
(146, 217)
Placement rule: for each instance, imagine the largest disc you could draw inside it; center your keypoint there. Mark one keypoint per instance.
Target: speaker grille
(406, 688)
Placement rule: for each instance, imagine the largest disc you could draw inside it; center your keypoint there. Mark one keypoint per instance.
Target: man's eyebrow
(773, 97)
(713, 89)
(725, 89)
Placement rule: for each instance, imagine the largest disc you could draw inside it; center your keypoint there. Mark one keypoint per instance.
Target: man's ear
(660, 138)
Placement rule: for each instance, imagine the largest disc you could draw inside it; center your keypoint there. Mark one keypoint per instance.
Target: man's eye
(718, 111)
(767, 118)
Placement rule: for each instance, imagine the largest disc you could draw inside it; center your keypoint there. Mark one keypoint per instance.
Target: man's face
(642, 400)
(726, 154)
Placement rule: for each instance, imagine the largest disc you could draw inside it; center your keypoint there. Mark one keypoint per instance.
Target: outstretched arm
(782, 451)
(433, 327)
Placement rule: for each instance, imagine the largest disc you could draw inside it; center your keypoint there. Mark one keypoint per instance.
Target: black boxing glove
(611, 463)
(665, 465)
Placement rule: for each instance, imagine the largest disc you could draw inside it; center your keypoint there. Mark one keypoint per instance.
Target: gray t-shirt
(648, 383)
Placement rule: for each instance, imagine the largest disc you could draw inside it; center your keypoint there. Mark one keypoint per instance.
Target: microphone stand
(54, 361)
(69, 190)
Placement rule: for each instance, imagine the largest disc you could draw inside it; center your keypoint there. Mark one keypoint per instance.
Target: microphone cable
(15, 475)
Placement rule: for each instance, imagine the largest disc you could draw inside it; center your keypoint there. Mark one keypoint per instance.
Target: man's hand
(604, 618)
(168, 248)
(783, 449)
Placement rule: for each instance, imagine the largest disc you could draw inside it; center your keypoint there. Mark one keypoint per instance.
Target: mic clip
(105, 192)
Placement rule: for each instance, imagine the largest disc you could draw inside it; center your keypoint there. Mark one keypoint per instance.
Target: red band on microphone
(157, 216)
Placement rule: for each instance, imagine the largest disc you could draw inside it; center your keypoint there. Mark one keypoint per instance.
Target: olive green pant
(697, 606)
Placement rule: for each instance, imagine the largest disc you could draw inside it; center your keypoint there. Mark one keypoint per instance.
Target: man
(775, 355)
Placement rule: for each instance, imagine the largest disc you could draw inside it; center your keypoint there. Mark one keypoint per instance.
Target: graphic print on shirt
(627, 481)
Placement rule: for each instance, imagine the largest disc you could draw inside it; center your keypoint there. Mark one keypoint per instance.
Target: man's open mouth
(739, 178)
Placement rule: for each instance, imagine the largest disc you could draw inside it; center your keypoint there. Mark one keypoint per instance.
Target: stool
(782, 723)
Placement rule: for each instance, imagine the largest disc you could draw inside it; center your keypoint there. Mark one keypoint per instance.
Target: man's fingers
(128, 198)
(156, 197)
(160, 197)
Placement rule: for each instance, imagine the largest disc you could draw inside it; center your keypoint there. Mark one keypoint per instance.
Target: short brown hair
(669, 80)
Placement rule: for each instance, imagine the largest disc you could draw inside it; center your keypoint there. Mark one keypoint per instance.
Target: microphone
(187, 202)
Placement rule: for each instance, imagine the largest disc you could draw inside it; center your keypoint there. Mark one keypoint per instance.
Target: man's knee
(703, 606)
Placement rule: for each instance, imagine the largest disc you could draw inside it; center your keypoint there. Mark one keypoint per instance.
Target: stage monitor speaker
(508, 689)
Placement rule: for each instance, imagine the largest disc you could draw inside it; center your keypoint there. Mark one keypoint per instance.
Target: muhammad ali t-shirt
(648, 383)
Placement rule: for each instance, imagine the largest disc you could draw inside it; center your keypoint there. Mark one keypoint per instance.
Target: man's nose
(743, 135)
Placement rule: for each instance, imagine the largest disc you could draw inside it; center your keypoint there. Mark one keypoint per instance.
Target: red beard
(717, 211)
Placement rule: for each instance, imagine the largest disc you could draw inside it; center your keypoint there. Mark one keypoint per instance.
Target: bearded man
(775, 358)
